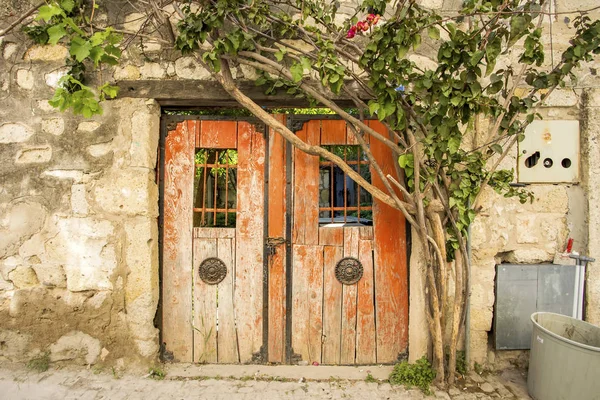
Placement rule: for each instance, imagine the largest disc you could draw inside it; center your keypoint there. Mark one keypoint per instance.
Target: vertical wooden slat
(198, 130)
(276, 229)
(349, 296)
(332, 304)
(248, 297)
(219, 134)
(365, 314)
(177, 243)
(391, 276)
(205, 305)
(333, 132)
(306, 188)
(227, 339)
(307, 302)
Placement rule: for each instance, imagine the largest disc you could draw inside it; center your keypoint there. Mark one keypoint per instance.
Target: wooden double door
(273, 255)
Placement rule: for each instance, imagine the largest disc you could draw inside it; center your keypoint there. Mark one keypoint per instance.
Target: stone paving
(19, 383)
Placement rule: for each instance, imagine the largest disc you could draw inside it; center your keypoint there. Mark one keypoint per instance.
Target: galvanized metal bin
(564, 361)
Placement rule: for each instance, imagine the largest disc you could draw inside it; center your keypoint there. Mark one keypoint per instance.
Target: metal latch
(272, 243)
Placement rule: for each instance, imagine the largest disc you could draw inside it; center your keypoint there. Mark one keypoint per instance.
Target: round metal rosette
(348, 270)
(212, 270)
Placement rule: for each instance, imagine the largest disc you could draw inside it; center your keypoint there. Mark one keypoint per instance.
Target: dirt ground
(233, 382)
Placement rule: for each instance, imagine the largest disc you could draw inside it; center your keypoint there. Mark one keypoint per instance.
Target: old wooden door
(349, 287)
(212, 267)
(270, 254)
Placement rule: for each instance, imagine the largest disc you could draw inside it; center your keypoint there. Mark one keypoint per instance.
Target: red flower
(351, 32)
(362, 26)
(375, 19)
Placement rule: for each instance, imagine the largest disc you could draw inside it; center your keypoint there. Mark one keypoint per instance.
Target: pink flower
(375, 19)
(351, 32)
(370, 17)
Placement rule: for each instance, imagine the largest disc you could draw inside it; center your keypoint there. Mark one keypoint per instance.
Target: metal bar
(216, 190)
(345, 187)
(358, 188)
(212, 209)
(331, 198)
(226, 187)
(219, 165)
(204, 199)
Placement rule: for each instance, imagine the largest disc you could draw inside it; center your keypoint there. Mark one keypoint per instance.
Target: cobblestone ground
(17, 382)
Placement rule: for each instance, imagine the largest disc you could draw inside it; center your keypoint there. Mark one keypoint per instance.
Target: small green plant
(156, 373)
(40, 363)
(419, 374)
(478, 368)
(370, 379)
(461, 363)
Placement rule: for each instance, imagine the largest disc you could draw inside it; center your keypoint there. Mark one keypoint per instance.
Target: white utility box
(549, 153)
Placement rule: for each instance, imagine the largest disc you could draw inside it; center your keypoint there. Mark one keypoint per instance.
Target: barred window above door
(341, 200)
(215, 187)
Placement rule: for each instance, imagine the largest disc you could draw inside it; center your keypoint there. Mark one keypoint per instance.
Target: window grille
(215, 188)
(341, 200)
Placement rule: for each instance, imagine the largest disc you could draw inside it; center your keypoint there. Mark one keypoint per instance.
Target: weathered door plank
(205, 305)
(219, 134)
(333, 132)
(365, 315)
(227, 345)
(348, 340)
(307, 302)
(332, 304)
(306, 188)
(248, 297)
(276, 229)
(177, 335)
(391, 284)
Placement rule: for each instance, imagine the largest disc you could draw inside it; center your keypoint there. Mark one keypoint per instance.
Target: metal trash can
(564, 362)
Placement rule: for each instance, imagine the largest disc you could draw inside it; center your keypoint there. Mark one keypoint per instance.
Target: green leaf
(453, 144)
(96, 54)
(496, 148)
(373, 107)
(48, 11)
(279, 55)
(67, 5)
(80, 48)
(433, 32)
(55, 33)
(297, 71)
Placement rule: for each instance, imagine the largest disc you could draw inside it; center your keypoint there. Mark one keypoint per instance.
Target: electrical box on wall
(549, 153)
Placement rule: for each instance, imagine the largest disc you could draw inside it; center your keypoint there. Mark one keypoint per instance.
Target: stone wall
(78, 220)
(79, 205)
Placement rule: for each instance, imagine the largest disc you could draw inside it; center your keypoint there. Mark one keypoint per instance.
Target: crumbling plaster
(79, 202)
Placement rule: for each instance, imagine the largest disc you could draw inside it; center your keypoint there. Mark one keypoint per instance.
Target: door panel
(215, 321)
(334, 323)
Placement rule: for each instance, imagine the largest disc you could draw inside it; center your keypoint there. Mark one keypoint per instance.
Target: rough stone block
(25, 79)
(34, 155)
(127, 73)
(188, 68)
(23, 277)
(46, 53)
(88, 126)
(74, 174)
(152, 71)
(141, 256)
(53, 77)
(51, 275)
(529, 256)
(83, 247)
(54, 126)
(9, 50)
(100, 149)
(562, 98)
(14, 345)
(21, 221)
(14, 133)
(144, 139)
(79, 203)
(76, 346)
(130, 191)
